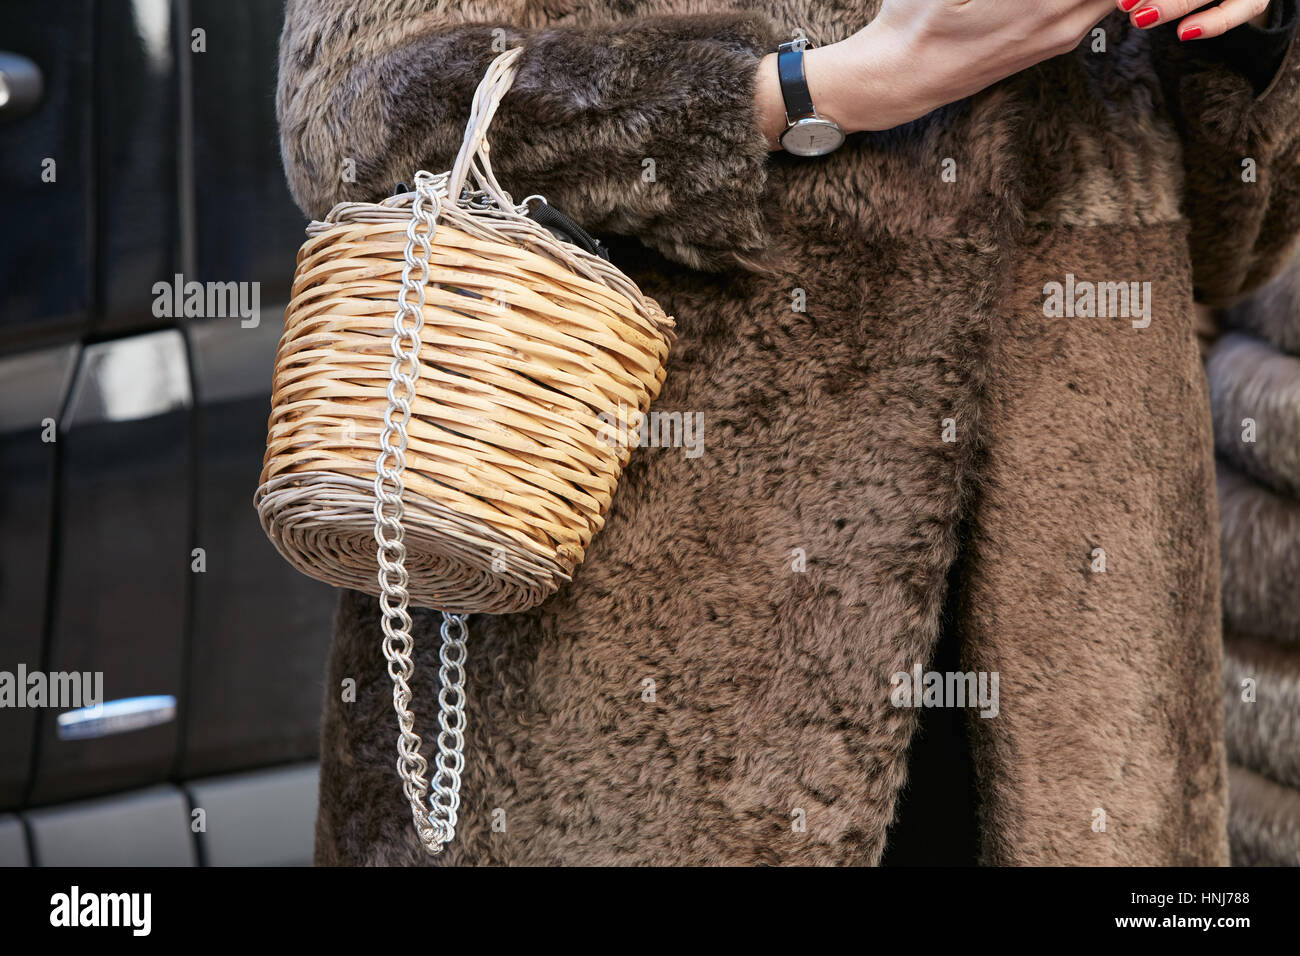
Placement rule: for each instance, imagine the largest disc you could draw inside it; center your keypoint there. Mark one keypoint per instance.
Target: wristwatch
(806, 133)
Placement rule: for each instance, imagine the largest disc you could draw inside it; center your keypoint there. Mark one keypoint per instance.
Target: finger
(1219, 19)
(1148, 13)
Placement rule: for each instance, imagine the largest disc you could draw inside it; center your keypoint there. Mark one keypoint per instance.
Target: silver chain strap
(435, 824)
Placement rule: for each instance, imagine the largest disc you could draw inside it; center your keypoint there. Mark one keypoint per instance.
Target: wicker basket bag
(452, 394)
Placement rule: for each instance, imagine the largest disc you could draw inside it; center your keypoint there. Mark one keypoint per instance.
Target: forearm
(859, 84)
(918, 55)
(885, 75)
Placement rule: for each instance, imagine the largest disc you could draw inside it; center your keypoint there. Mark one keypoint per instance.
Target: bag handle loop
(473, 157)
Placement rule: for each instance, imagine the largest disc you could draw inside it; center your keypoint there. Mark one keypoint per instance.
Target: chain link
(435, 824)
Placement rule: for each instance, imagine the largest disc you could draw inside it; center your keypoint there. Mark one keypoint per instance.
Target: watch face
(812, 136)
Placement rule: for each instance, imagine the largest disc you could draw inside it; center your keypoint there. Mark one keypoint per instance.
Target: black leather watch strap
(794, 86)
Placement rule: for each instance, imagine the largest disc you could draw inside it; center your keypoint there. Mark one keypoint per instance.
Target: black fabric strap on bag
(562, 227)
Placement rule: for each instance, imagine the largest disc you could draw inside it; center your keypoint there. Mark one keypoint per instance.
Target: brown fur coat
(900, 442)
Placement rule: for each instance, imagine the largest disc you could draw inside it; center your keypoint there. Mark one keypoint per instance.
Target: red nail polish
(1127, 5)
(1191, 33)
(1146, 16)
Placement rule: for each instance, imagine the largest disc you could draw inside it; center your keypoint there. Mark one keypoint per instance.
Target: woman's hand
(917, 55)
(1209, 20)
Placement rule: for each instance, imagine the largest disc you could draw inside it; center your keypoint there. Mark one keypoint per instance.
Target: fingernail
(1146, 16)
(1127, 5)
(1191, 33)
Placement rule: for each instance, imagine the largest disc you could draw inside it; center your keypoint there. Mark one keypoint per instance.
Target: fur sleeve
(1259, 545)
(1273, 313)
(1255, 400)
(1264, 825)
(1241, 147)
(642, 126)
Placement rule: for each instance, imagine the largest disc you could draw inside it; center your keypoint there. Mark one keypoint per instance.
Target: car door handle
(21, 85)
(116, 717)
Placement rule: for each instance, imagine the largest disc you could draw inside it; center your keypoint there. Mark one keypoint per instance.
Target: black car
(160, 665)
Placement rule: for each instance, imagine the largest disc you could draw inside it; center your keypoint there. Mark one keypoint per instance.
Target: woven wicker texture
(537, 360)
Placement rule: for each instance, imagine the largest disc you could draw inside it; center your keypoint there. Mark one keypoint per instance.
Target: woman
(951, 399)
